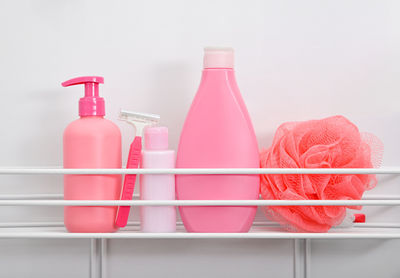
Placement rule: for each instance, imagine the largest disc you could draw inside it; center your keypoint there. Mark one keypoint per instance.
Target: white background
(295, 60)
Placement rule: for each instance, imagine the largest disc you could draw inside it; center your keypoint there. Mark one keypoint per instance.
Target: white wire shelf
(58, 196)
(184, 203)
(198, 171)
(265, 224)
(379, 231)
(266, 230)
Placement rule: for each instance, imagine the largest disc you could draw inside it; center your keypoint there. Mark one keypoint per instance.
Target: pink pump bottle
(91, 142)
(218, 133)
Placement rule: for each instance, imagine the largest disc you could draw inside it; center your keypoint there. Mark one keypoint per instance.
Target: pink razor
(139, 122)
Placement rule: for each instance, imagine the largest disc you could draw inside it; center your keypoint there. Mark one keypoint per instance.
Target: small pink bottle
(91, 142)
(157, 187)
(218, 134)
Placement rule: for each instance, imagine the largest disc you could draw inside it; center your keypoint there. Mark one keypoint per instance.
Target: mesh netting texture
(333, 142)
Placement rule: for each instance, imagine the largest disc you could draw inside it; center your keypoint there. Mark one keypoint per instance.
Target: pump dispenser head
(91, 104)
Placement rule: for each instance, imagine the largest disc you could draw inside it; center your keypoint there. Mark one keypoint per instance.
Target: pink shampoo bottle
(218, 133)
(91, 142)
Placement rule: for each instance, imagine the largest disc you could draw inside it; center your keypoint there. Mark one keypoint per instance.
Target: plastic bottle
(91, 142)
(157, 187)
(218, 134)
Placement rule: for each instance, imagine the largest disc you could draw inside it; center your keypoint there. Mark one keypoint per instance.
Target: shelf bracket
(98, 258)
(302, 258)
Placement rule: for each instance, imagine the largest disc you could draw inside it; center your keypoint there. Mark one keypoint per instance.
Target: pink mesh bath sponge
(333, 142)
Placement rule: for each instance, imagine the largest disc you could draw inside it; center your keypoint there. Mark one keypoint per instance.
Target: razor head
(139, 117)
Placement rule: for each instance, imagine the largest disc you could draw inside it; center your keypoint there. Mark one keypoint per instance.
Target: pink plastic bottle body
(217, 134)
(91, 142)
(157, 187)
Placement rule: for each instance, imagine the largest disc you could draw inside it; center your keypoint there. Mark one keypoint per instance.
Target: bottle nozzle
(91, 104)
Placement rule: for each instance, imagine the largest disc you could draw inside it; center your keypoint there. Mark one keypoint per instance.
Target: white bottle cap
(218, 57)
(156, 138)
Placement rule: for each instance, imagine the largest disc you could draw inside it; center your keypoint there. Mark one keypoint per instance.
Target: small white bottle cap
(218, 57)
(156, 138)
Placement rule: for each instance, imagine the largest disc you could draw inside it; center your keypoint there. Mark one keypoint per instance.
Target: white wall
(296, 60)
